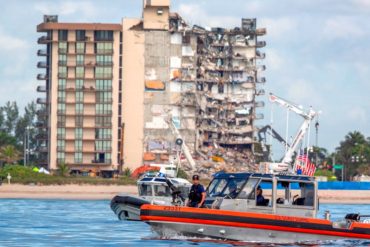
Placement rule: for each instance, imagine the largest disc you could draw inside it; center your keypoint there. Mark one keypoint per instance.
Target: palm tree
(63, 170)
(9, 154)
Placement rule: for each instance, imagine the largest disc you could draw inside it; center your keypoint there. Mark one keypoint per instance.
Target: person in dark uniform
(197, 194)
(260, 198)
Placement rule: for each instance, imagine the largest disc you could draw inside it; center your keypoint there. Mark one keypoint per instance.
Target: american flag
(305, 165)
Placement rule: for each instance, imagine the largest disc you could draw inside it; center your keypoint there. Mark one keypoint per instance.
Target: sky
(317, 52)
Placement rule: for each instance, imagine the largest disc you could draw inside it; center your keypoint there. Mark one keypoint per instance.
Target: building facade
(113, 90)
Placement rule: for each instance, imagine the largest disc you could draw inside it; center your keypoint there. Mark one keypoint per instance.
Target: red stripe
(246, 225)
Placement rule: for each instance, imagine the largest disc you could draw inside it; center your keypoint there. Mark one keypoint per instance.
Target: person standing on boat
(197, 193)
(260, 198)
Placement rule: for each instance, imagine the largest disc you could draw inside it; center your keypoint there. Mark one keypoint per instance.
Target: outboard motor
(353, 217)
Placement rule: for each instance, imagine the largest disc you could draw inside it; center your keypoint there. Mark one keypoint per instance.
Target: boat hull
(246, 226)
(127, 207)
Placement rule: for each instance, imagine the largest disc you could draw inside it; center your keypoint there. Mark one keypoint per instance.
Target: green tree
(63, 170)
(9, 154)
(6, 139)
(353, 152)
(12, 113)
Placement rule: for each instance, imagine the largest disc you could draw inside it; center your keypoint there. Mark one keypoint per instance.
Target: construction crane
(180, 141)
(286, 163)
(262, 138)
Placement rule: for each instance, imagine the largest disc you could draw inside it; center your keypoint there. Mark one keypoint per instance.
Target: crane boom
(307, 116)
(184, 147)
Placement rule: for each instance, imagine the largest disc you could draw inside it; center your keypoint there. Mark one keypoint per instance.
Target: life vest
(194, 194)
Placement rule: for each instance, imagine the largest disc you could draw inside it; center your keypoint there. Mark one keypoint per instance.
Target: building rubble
(214, 82)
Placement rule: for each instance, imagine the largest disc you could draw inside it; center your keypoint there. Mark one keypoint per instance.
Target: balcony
(260, 31)
(42, 149)
(62, 50)
(42, 77)
(104, 51)
(104, 63)
(61, 100)
(62, 75)
(44, 40)
(61, 112)
(41, 101)
(103, 76)
(61, 149)
(60, 161)
(41, 136)
(261, 80)
(42, 65)
(42, 53)
(89, 64)
(41, 89)
(261, 44)
(40, 124)
(42, 113)
(62, 63)
(260, 92)
(260, 55)
(80, 51)
(106, 161)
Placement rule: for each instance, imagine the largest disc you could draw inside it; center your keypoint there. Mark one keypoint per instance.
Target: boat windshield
(223, 187)
(162, 190)
(145, 190)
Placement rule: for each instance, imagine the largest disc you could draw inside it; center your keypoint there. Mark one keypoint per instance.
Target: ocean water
(92, 223)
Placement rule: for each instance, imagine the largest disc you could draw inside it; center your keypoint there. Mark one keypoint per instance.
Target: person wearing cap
(197, 193)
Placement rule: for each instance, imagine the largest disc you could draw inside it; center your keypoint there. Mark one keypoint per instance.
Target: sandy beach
(96, 192)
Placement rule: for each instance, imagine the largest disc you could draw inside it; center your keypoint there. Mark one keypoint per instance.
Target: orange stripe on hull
(246, 225)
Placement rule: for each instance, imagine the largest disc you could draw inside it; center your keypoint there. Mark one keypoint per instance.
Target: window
(102, 145)
(80, 47)
(60, 157)
(145, 190)
(103, 109)
(80, 59)
(79, 108)
(78, 145)
(63, 35)
(61, 145)
(62, 71)
(103, 72)
(78, 157)
(61, 96)
(103, 133)
(79, 96)
(80, 35)
(78, 133)
(79, 84)
(161, 190)
(296, 193)
(62, 47)
(80, 72)
(104, 48)
(62, 84)
(263, 193)
(103, 84)
(61, 120)
(103, 121)
(104, 96)
(62, 59)
(61, 108)
(103, 35)
(61, 133)
(104, 60)
(79, 121)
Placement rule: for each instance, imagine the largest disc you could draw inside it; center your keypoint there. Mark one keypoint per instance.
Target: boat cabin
(154, 187)
(293, 195)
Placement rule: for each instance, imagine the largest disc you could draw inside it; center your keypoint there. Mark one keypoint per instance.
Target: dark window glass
(103, 35)
(63, 35)
(80, 35)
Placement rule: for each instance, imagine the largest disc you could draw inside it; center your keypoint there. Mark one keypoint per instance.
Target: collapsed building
(210, 94)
